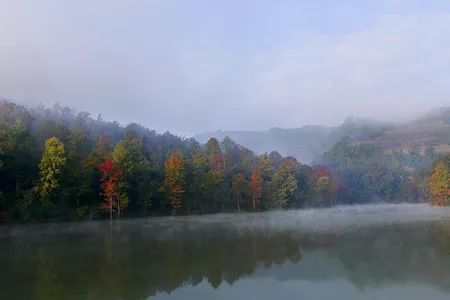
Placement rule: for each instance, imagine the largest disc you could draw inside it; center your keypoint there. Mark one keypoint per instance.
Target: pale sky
(199, 65)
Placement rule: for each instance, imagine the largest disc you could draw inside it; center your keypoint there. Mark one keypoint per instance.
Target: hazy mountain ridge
(307, 143)
(302, 143)
(431, 130)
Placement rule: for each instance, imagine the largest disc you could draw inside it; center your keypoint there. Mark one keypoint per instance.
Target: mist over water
(112, 110)
(357, 252)
(337, 219)
(340, 219)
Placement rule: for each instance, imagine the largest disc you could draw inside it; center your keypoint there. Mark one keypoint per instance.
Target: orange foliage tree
(174, 180)
(256, 184)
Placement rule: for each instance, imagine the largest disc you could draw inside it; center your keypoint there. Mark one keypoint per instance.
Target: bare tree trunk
(110, 210)
(239, 202)
(118, 207)
(110, 223)
(109, 238)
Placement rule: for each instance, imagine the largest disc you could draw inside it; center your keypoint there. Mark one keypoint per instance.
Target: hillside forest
(57, 164)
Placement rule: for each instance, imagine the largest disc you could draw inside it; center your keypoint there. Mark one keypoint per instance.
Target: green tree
(92, 174)
(17, 162)
(264, 166)
(283, 187)
(131, 157)
(322, 186)
(199, 179)
(77, 177)
(51, 165)
(238, 187)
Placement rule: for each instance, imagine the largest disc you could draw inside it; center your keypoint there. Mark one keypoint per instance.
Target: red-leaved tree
(111, 175)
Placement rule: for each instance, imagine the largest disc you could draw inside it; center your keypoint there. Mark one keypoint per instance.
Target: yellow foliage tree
(439, 184)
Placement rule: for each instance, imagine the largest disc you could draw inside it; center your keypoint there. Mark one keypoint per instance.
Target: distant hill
(431, 130)
(306, 143)
(309, 142)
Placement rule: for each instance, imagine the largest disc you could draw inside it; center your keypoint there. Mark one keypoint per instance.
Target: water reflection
(166, 258)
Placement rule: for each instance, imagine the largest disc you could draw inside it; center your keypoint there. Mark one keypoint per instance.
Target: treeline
(368, 173)
(56, 164)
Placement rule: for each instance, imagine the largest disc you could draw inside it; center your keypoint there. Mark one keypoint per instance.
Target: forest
(57, 164)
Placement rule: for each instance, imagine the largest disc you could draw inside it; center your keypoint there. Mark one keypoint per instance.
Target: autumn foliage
(111, 175)
(256, 184)
(55, 163)
(174, 180)
(439, 184)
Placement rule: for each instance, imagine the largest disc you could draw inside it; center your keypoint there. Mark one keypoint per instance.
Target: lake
(353, 252)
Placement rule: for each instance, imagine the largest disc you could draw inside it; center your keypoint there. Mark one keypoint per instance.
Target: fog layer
(199, 66)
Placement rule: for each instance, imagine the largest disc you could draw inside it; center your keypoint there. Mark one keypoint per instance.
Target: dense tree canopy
(56, 164)
(368, 172)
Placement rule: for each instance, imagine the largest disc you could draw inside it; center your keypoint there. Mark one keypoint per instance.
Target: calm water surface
(358, 252)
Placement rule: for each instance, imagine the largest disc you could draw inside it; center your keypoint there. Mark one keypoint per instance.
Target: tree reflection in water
(82, 261)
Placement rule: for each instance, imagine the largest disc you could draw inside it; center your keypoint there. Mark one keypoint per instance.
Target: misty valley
(133, 214)
(217, 150)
